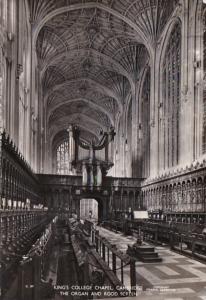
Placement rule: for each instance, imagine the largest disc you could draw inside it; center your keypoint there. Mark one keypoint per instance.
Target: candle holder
(14, 204)
(9, 204)
(28, 203)
(3, 203)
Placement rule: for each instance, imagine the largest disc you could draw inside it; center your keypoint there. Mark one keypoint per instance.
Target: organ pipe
(71, 147)
(84, 175)
(99, 176)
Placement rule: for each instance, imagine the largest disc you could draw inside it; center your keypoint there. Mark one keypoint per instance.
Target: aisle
(179, 276)
(66, 273)
(52, 273)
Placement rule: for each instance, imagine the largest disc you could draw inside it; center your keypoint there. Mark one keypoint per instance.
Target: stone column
(187, 107)
(136, 158)
(154, 119)
(107, 149)
(111, 149)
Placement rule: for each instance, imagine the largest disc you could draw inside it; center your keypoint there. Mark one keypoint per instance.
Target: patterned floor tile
(182, 278)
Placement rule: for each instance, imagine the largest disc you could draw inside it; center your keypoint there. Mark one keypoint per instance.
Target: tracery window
(3, 11)
(63, 158)
(171, 97)
(204, 91)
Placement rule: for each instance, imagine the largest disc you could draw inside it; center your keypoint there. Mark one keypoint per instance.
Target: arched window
(3, 12)
(63, 158)
(171, 97)
(204, 90)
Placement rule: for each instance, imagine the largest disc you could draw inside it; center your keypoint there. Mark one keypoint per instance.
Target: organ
(93, 161)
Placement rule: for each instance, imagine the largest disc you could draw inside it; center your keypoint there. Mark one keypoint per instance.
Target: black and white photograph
(103, 149)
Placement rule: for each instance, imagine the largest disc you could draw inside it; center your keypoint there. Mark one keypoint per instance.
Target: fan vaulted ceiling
(90, 55)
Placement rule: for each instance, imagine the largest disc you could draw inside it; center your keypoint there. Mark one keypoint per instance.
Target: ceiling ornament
(95, 53)
(87, 65)
(83, 89)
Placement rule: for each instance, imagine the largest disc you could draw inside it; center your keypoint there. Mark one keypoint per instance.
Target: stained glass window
(171, 97)
(63, 158)
(3, 12)
(204, 91)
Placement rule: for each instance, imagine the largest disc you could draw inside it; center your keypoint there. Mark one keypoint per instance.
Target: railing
(93, 268)
(114, 225)
(117, 261)
(188, 239)
(119, 182)
(190, 244)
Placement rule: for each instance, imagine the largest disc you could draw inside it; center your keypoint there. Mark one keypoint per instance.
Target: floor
(176, 277)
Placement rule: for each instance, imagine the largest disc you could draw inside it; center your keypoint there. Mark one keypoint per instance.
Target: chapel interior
(102, 149)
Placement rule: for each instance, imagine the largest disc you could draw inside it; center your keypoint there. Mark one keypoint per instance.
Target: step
(147, 254)
(144, 249)
(201, 256)
(151, 259)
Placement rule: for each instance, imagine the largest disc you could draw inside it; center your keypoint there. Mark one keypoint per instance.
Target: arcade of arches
(102, 115)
